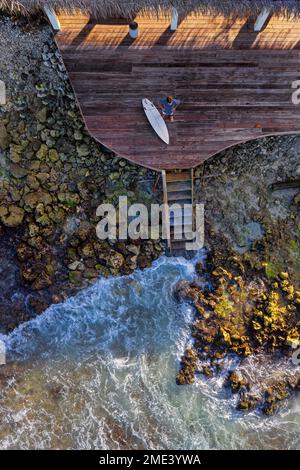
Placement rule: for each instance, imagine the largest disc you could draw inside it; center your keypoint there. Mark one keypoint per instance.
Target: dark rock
(38, 304)
(236, 381)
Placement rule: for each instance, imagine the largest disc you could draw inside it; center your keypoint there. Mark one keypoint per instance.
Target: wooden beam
(52, 18)
(261, 19)
(174, 20)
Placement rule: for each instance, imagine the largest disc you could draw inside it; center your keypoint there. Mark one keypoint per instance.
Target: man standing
(168, 106)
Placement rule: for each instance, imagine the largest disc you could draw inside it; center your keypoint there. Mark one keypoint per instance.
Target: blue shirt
(169, 107)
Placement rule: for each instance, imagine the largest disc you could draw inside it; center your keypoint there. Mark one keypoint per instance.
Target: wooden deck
(234, 84)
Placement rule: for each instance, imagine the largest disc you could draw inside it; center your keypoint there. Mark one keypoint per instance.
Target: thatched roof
(129, 8)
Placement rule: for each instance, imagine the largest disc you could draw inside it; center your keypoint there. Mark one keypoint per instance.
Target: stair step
(182, 176)
(179, 186)
(179, 196)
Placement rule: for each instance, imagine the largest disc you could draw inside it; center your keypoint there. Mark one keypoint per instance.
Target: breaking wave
(98, 371)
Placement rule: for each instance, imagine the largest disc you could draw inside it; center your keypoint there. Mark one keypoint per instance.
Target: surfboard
(156, 120)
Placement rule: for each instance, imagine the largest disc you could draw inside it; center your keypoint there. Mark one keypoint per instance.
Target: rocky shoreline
(247, 295)
(53, 176)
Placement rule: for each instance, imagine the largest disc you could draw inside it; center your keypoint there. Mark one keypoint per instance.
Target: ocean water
(98, 372)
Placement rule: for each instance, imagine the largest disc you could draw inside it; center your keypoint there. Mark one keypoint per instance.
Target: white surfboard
(156, 120)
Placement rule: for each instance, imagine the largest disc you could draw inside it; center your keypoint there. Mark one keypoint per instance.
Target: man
(168, 106)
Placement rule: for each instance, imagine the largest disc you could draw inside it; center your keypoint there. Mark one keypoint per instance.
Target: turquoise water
(98, 371)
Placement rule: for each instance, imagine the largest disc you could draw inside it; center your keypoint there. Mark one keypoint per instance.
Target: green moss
(72, 254)
(294, 249)
(75, 277)
(294, 245)
(224, 306)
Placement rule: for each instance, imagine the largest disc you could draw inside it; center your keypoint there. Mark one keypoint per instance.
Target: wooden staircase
(178, 190)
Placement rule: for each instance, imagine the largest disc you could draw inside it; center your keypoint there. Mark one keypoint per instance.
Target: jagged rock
(78, 135)
(115, 260)
(83, 150)
(53, 155)
(17, 171)
(183, 290)
(33, 230)
(15, 153)
(76, 266)
(57, 215)
(3, 211)
(42, 281)
(34, 165)
(207, 371)
(135, 249)
(199, 268)
(32, 182)
(32, 199)
(188, 367)
(4, 137)
(84, 230)
(75, 277)
(43, 220)
(72, 253)
(248, 402)
(15, 194)
(143, 262)
(88, 250)
(236, 381)
(38, 304)
(69, 199)
(90, 273)
(41, 115)
(29, 271)
(42, 154)
(37, 243)
(297, 199)
(269, 409)
(24, 252)
(43, 177)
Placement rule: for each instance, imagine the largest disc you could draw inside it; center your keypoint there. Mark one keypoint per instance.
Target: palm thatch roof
(129, 8)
